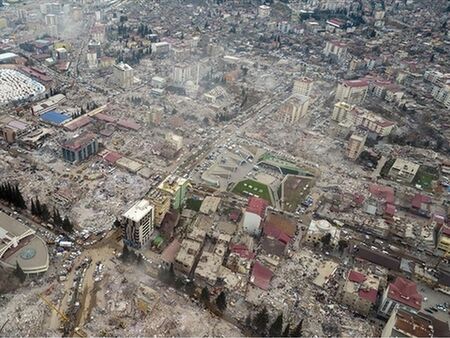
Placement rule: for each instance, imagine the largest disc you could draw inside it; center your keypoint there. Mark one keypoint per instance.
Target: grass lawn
(193, 204)
(256, 188)
(425, 176)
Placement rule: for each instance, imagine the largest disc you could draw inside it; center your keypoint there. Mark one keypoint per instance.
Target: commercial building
(160, 48)
(302, 86)
(176, 187)
(352, 91)
(137, 224)
(253, 215)
(355, 145)
(403, 170)
(124, 75)
(80, 148)
(403, 293)
(20, 244)
(294, 108)
(161, 204)
(359, 291)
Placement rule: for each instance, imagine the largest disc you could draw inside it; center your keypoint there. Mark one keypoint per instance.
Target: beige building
(294, 108)
(341, 111)
(403, 170)
(355, 146)
(161, 203)
(302, 86)
(124, 75)
(352, 91)
(336, 48)
(405, 323)
(359, 291)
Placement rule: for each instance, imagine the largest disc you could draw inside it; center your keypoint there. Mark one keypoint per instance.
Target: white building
(253, 215)
(124, 75)
(137, 224)
(318, 229)
(263, 11)
(302, 86)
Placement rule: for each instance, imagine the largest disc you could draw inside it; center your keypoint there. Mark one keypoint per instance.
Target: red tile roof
(356, 83)
(112, 157)
(382, 192)
(446, 230)
(261, 276)
(405, 292)
(420, 199)
(271, 230)
(242, 251)
(356, 277)
(79, 142)
(390, 209)
(369, 294)
(257, 206)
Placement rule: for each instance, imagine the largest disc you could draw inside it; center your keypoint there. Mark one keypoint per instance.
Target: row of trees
(221, 300)
(259, 324)
(41, 210)
(11, 194)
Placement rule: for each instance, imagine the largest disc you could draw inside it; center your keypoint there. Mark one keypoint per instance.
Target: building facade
(176, 187)
(137, 224)
(355, 146)
(401, 293)
(302, 86)
(124, 75)
(360, 291)
(80, 148)
(294, 108)
(352, 91)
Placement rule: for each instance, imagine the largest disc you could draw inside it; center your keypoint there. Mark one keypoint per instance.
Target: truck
(65, 244)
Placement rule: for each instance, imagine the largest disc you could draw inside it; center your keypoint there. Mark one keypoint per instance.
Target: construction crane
(53, 307)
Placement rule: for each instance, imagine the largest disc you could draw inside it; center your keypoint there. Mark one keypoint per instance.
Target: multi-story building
(359, 291)
(160, 48)
(442, 94)
(401, 293)
(137, 224)
(336, 49)
(355, 145)
(190, 248)
(302, 86)
(80, 148)
(403, 170)
(176, 187)
(294, 108)
(341, 111)
(372, 122)
(124, 75)
(352, 91)
(161, 204)
(263, 11)
(254, 214)
(443, 242)
(183, 72)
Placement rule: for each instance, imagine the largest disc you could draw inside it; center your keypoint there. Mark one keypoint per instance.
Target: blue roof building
(55, 118)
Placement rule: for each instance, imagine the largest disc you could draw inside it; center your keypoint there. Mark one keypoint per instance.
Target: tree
(20, 202)
(221, 301)
(125, 253)
(67, 225)
(19, 273)
(57, 220)
(287, 330)
(45, 214)
(276, 328)
(260, 322)
(297, 332)
(342, 245)
(326, 239)
(33, 207)
(204, 297)
(38, 207)
(117, 223)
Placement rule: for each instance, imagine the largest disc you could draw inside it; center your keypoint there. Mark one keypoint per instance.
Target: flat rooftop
(138, 210)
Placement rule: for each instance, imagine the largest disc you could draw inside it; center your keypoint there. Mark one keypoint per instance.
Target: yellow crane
(53, 307)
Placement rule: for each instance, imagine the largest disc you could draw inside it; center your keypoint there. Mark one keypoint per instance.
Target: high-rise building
(341, 111)
(352, 91)
(124, 75)
(177, 188)
(161, 204)
(336, 49)
(294, 108)
(355, 146)
(137, 224)
(80, 148)
(302, 86)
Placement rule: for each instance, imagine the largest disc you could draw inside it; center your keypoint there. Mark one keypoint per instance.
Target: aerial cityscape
(225, 168)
